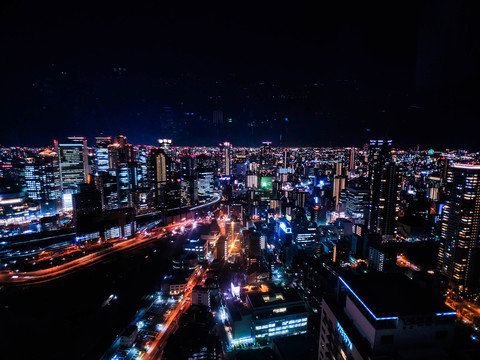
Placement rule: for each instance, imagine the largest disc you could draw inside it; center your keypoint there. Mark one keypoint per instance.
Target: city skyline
(231, 180)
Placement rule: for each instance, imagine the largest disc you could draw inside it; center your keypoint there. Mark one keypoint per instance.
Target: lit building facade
(459, 238)
(277, 313)
(73, 162)
(42, 179)
(226, 153)
(101, 153)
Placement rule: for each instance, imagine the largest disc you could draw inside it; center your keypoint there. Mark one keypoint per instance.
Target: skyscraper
(42, 178)
(459, 238)
(120, 152)
(351, 160)
(266, 152)
(101, 153)
(338, 186)
(159, 173)
(226, 152)
(73, 164)
(384, 180)
(166, 145)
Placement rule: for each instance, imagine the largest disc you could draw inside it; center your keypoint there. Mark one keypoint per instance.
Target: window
(386, 340)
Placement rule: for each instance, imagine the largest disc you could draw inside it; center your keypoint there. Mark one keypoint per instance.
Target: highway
(43, 275)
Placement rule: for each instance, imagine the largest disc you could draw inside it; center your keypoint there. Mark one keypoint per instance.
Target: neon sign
(344, 336)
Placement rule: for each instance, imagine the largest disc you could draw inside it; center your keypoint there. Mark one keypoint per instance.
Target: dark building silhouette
(384, 179)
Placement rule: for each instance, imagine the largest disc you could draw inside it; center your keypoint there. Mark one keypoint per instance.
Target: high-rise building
(266, 152)
(107, 184)
(226, 152)
(338, 185)
(460, 226)
(87, 201)
(142, 162)
(101, 153)
(127, 175)
(120, 152)
(388, 202)
(356, 199)
(384, 180)
(351, 159)
(205, 184)
(73, 164)
(159, 173)
(339, 168)
(42, 178)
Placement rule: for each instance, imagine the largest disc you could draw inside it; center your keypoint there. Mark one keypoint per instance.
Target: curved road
(39, 276)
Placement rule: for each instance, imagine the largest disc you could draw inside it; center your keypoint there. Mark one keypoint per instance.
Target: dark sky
(404, 70)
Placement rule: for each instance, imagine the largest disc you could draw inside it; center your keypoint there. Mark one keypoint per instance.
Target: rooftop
(392, 295)
(261, 300)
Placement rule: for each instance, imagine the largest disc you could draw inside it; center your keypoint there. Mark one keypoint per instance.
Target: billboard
(266, 183)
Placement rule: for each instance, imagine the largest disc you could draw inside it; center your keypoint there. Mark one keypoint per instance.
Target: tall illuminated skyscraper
(226, 152)
(73, 161)
(384, 180)
(351, 159)
(101, 153)
(460, 237)
(42, 178)
(159, 173)
(73, 164)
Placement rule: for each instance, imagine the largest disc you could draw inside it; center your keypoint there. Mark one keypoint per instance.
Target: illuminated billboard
(266, 183)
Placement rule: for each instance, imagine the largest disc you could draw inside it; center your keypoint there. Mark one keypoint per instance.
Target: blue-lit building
(126, 184)
(42, 179)
(279, 312)
(266, 314)
(205, 185)
(101, 153)
(74, 169)
(377, 316)
(283, 231)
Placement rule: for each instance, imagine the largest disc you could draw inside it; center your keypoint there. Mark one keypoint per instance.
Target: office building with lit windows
(205, 184)
(73, 162)
(42, 179)
(226, 159)
(74, 169)
(159, 173)
(101, 153)
(277, 312)
(460, 222)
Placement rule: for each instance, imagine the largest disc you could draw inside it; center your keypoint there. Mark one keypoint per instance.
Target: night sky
(296, 74)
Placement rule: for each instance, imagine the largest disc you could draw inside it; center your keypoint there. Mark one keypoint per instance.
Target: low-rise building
(278, 312)
(201, 296)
